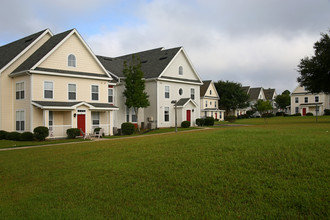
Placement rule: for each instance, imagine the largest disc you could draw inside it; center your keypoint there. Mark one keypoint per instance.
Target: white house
(303, 101)
(170, 77)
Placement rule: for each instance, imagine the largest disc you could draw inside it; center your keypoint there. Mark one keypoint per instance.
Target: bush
(127, 128)
(326, 111)
(230, 118)
(267, 115)
(200, 121)
(3, 135)
(209, 121)
(297, 114)
(185, 124)
(279, 114)
(40, 133)
(216, 119)
(27, 136)
(309, 114)
(14, 136)
(73, 133)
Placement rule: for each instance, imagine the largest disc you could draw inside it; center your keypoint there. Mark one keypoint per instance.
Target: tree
(263, 107)
(232, 96)
(315, 70)
(136, 97)
(283, 100)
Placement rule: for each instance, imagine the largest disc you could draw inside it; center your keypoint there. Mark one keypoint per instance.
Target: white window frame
(297, 110)
(70, 61)
(192, 93)
(167, 92)
(168, 108)
(180, 70)
(205, 103)
(181, 91)
(20, 91)
(72, 91)
(306, 99)
(215, 103)
(296, 99)
(112, 95)
(210, 92)
(20, 120)
(130, 114)
(98, 93)
(318, 99)
(97, 118)
(53, 85)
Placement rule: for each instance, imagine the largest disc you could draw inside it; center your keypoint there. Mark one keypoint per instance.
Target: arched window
(180, 70)
(72, 60)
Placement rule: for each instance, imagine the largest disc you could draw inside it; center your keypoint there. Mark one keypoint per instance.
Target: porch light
(74, 115)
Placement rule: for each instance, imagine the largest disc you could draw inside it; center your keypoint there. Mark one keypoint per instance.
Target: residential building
(169, 77)
(209, 103)
(54, 81)
(303, 101)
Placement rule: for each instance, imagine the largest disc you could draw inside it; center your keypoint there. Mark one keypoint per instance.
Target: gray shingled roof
(204, 87)
(269, 93)
(182, 102)
(246, 89)
(153, 62)
(9, 51)
(254, 93)
(70, 104)
(42, 51)
(71, 72)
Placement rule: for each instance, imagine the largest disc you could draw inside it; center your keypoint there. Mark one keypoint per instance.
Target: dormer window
(180, 70)
(72, 60)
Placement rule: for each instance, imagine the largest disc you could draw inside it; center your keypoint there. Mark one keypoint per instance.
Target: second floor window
(20, 90)
(167, 92)
(205, 103)
(306, 99)
(72, 60)
(110, 95)
(215, 104)
(95, 92)
(296, 100)
(316, 99)
(48, 90)
(192, 93)
(72, 91)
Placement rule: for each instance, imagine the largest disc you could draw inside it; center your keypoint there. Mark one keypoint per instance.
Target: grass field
(278, 170)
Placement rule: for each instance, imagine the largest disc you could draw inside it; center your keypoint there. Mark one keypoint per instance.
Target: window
(210, 92)
(48, 90)
(180, 70)
(20, 122)
(95, 92)
(296, 99)
(316, 99)
(192, 93)
(215, 104)
(110, 95)
(297, 110)
(72, 91)
(210, 103)
(180, 91)
(166, 114)
(95, 119)
(205, 103)
(20, 90)
(134, 118)
(51, 119)
(127, 114)
(167, 92)
(130, 113)
(306, 99)
(72, 60)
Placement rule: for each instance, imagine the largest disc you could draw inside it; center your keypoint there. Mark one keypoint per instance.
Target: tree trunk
(137, 118)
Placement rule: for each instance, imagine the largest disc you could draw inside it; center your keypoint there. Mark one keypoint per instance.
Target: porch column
(45, 118)
(110, 122)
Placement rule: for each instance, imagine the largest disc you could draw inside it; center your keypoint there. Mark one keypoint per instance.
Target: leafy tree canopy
(263, 106)
(315, 70)
(283, 100)
(232, 96)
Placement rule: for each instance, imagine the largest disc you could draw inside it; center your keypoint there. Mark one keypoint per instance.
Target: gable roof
(153, 62)
(254, 93)
(269, 93)
(42, 51)
(12, 50)
(184, 101)
(204, 87)
(246, 89)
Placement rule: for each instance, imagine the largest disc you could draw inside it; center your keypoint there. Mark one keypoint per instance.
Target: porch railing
(58, 130)
(105, 127)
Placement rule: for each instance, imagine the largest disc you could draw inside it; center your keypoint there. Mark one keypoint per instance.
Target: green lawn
(278, 170)
(13, 144)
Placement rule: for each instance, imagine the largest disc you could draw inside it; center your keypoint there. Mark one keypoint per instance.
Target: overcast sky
(253, 42)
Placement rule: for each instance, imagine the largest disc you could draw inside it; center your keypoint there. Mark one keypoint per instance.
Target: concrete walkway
(104, 139)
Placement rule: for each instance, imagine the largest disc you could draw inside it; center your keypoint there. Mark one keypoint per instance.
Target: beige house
(302, 101)
(209, 106)
(54, 81)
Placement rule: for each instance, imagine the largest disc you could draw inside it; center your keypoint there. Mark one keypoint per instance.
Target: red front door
(188, 115)
(216, 115)
(81, 123)
(304, 111)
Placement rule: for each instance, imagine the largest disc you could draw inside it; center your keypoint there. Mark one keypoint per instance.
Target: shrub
(200, 121)
(27, 136)
(14, 136)
(326, 111)
(127, 128)
(3, 135)
(230, 118)
(279, 114)
(209, 121)
(185, 124)
(297, 114)
(73, 133)
(40, 133)
(216, 119)
(309, 114)
(267, 115)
